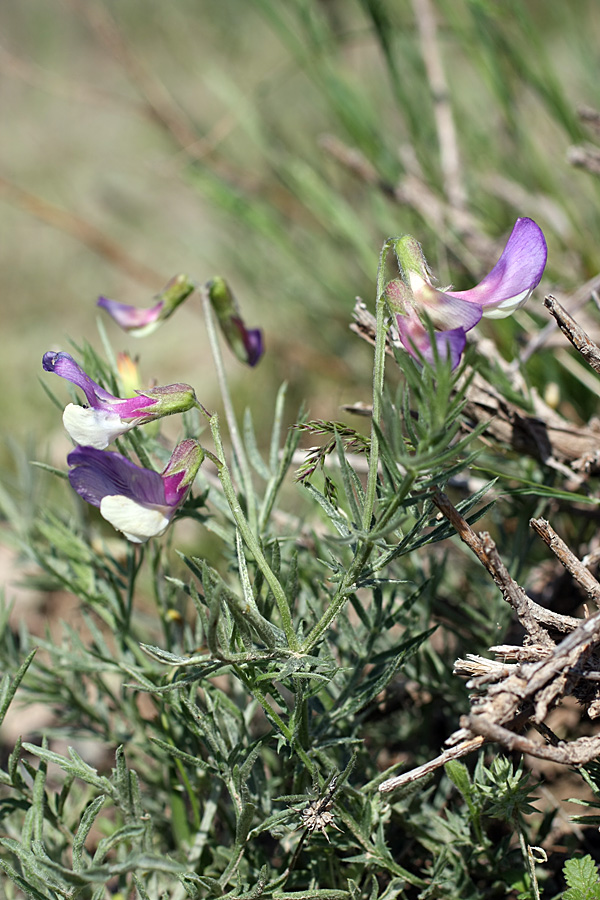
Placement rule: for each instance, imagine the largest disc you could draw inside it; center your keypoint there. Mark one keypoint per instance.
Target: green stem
(251, 540)
(400, 496)
(366, 548)
(286, 732)
(340, 598)
(133, 567)
(378, 376)
(529, 861)
(238, 446)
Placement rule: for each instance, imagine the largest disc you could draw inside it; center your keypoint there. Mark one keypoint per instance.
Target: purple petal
(134, 406)
(415, 338)
(517, 272)
(252, 341)
(130, 317)
(64, 365)
(104, 473)
(180, 472)
(447, 311)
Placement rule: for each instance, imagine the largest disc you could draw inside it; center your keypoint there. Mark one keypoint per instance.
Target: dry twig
(549, 666)
(578, 337)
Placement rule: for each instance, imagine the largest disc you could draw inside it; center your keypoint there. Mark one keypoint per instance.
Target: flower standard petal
(64, 365)
(518, 271)
(137, 322)
(101, 473)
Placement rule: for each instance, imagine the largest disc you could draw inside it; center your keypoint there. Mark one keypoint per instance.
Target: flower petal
(515, 275)
(64, 365)
(252, 341)
(100, 473)
(444, 310)
(93, 427)
(138, 523)
(137, 322)
(415, 338)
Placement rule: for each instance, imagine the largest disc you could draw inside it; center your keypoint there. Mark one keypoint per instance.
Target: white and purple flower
(140, 322)
(452, 313)
(136, 501)
(107, 417)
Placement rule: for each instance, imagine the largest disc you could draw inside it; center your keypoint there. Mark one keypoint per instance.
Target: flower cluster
(138, 501)
(420, 307)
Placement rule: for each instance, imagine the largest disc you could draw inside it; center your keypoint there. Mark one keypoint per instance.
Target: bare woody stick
(444, 121)
(567, 558)
(473, 743)
(485, 550)
(578, 337)
(574, 753)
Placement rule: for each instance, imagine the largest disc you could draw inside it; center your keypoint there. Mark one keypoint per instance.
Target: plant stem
(340, 597)
(238, 446)
(378, 376)
(251, 540)
(364, 549)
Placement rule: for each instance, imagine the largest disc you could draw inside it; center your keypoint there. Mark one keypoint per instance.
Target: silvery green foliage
(247, 690)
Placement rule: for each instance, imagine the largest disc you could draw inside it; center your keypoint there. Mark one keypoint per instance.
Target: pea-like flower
(246, 343)
(140, 322)
(138, 502)
(107, 417)
(508, 286)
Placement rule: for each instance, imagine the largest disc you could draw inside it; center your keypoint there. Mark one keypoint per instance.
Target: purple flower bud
(136, 501)
(140, 322)
(246, 343)
(107, 417)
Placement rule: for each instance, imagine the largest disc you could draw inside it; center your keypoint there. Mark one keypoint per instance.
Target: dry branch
(578, 337)
(548, 667)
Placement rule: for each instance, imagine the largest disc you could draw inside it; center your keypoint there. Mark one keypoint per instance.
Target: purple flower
(140, 322)
(139, 502)
(452, 313)
(246, 343)
(107, 417)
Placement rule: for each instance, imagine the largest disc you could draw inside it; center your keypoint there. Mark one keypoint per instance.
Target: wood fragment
(548, 667)
(567, 558)
(462, 749)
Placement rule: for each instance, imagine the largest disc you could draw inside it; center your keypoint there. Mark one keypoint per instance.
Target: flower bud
(246, 343)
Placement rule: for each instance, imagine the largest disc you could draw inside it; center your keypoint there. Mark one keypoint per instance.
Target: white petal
(93, 427)
(508, 306)
(138, 523)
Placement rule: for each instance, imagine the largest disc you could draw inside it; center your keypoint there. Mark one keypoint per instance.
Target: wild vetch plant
(252, 672)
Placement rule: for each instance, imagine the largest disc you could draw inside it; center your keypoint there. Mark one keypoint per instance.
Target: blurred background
(278, 143)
